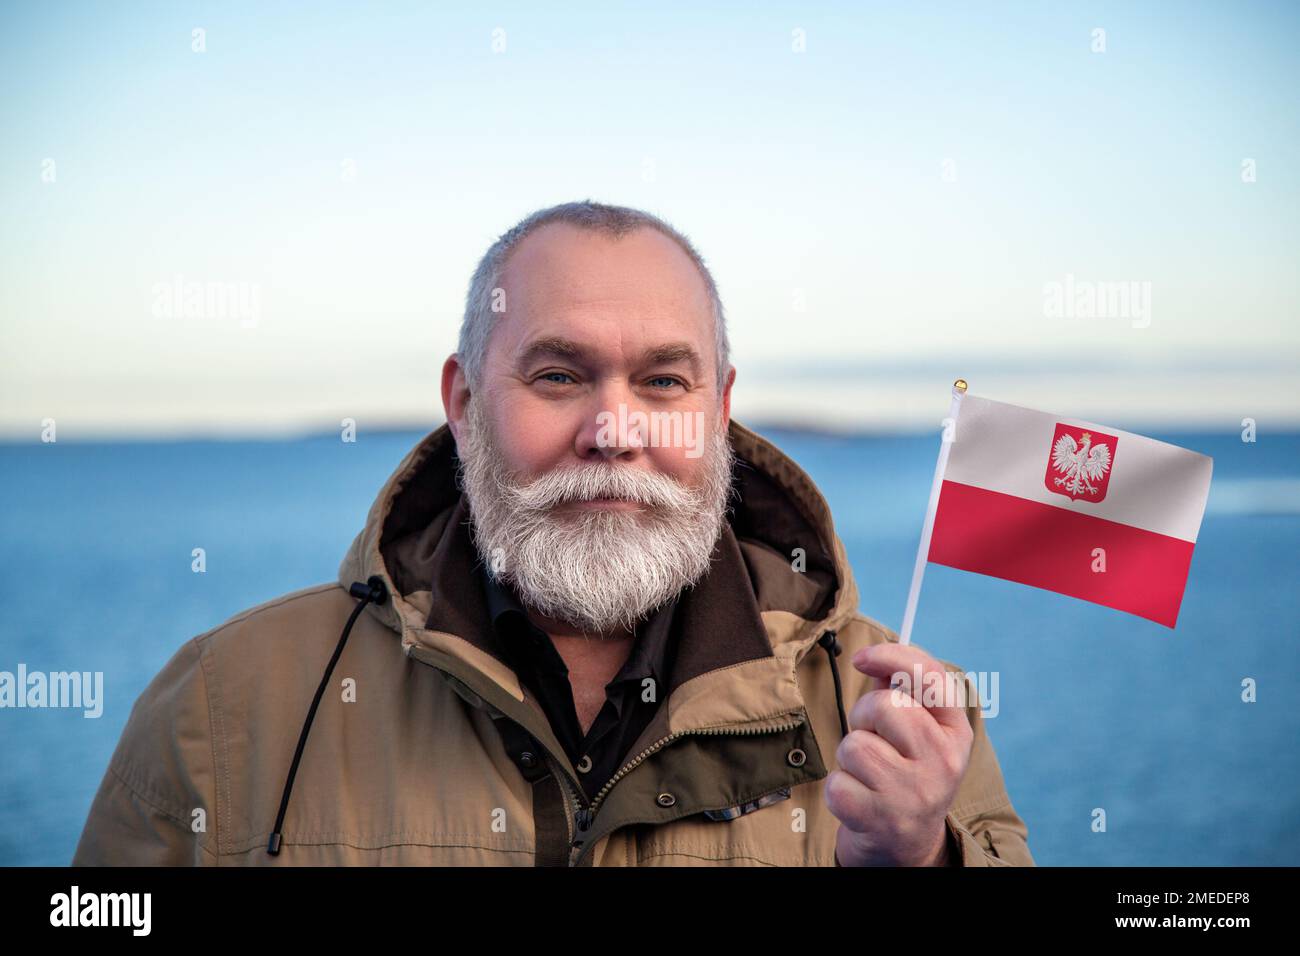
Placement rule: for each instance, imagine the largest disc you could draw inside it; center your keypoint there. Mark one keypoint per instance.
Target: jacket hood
(416, 540)
(778, 517)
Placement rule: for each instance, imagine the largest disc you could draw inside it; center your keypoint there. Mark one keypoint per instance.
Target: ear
(726, 395)
(455, 394)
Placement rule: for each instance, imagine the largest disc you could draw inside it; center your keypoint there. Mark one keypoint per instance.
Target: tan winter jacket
(426, 750)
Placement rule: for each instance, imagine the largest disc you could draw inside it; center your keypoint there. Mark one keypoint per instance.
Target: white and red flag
(1065, 505)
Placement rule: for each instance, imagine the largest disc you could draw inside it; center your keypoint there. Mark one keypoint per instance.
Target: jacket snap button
(796, 757)
(665, 799)
(584, 765)
(527, 760)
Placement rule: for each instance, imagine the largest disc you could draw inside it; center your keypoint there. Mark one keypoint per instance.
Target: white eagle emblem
(1082, 466)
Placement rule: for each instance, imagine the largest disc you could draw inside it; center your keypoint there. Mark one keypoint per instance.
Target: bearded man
(557, 643)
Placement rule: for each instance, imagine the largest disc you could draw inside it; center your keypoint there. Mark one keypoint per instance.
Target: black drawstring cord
(372, 591)
(832, 645)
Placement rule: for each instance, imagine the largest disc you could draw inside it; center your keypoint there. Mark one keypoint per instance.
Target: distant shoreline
(392, 429)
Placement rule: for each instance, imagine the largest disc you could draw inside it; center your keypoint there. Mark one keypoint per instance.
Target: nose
(614, 427)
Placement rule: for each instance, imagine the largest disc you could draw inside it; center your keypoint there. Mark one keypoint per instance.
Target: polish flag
(1068, 506)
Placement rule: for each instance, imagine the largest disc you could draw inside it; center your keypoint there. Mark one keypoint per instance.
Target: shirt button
(665, 799)
(527, 760)
(796, 757)
(584, 765)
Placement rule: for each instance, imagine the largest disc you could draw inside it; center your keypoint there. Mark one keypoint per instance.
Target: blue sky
(894, 197)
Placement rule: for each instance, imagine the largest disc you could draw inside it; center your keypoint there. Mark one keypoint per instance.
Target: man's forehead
(564, 282)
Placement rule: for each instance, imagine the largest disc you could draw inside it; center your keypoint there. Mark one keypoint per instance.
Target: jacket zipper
(584, 817)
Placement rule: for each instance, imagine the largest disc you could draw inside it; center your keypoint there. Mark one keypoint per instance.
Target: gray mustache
(582, 484)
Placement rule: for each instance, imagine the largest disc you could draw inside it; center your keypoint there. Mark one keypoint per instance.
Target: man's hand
(901, 764)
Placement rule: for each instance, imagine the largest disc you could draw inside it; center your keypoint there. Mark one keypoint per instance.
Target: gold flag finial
(960, 385)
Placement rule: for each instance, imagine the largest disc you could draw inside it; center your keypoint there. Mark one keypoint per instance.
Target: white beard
(600, 571)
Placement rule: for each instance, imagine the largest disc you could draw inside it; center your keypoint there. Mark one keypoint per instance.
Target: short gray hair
(614, 221)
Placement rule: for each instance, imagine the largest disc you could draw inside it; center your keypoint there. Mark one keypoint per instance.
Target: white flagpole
(927, 529)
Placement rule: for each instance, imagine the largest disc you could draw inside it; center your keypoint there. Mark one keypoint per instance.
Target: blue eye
(665, 378)
(554, 377)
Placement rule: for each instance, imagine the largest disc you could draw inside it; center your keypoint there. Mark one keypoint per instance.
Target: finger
(889, 661)
(898, 718)
(923, 677)
(871, 759)
(850, 801)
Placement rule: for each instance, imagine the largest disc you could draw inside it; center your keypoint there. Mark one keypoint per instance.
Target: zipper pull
(582, 821)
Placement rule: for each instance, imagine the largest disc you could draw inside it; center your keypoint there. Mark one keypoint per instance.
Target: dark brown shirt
(631, 697)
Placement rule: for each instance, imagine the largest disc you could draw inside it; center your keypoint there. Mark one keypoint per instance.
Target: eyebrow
(559, 347)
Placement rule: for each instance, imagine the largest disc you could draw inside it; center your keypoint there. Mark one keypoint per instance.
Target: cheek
(676, 463)
(534, 437)
(684, 452)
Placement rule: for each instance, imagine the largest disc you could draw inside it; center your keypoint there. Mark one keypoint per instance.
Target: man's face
(596, 325)
(594, 449)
